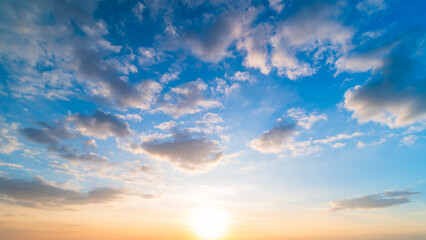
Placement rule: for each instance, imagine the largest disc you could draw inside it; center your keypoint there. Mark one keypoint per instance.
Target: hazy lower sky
(193, 119)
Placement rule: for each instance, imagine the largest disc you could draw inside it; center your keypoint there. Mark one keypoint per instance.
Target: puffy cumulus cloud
(375, 201)
(213, 44)
(257, 49)
(38, 193)
(396, 92)
(312, 28)
(187, 99)
(304, 120)
(182, 150)
(274, 140)
(100, 125)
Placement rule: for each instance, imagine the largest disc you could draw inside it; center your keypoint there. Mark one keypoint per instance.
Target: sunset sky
(212, 120)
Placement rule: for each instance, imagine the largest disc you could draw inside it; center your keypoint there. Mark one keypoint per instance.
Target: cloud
(303, 120)
(48, 134)
(242, 77)
(277, 5)
(375, 201)
(166, 125)
(211, 119)
(311, 28)
(90, 143)
(52, 135)
(100, 125)
(363, 61)
(274, 140)
(409, 140)
(212, 45)
(134, 117)
(185, 152)
(138, 10)
(8, 142)
(187, 99)
(371, 6)
(256, 46)
(339, 137)
(396, 92)
(38, 193)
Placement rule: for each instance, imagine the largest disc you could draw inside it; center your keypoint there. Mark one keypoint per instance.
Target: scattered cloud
(212, 45)
(304, 120)
(90, 143)
(187, 99)
(371, 6)
(182, 150)
(166, 125)
(375, 201)
(274, 140)
(395, 94)
(38, 193)
(101, 125)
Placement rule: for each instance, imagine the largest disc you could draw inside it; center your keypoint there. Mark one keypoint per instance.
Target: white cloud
(166, 125)
(312, 28)
(8, 141)
(256, 46)
(277, 5)
(304, 120)
(187, 99)
(371, 6)
(133, 117)
(409, 140)
(242, 77)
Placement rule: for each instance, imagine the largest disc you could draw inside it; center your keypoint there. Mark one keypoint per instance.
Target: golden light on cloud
(209, 223)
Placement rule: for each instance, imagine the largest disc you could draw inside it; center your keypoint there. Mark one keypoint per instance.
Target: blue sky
(320, 105)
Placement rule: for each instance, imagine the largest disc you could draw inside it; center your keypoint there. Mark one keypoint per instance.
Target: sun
(209, 223)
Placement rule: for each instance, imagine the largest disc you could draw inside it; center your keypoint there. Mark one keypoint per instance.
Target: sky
(296, 119)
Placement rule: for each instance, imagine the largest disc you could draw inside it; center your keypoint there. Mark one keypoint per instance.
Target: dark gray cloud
(100, 125)
(38, 193)
(395, 95)
(51, 136)
(48, 134)
(69, 153)
(375, 201)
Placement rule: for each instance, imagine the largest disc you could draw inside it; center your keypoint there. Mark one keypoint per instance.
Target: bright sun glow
(209, 223)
